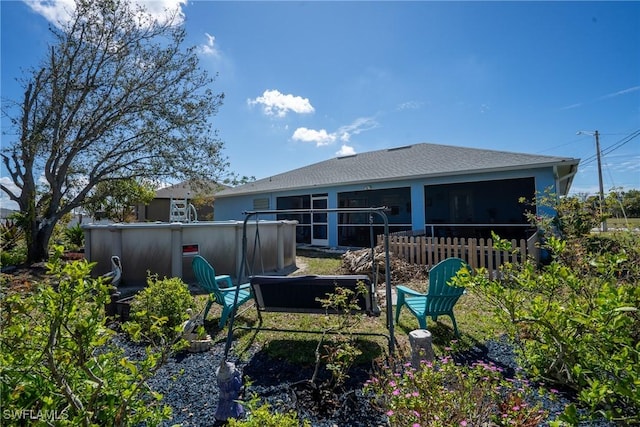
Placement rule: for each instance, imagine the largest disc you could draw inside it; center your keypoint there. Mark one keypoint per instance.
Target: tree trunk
(38, 247)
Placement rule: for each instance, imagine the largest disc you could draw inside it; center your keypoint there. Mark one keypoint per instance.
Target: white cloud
(571, 107)
(632, 164)
(5, 201)
(59, 11)
(359, 125)
(278, 104)
(209, 48)
(159, 8)
(345, 150)
(320, 137)
(621, 92)
(53, 11)
(607, 96)
(409, 105)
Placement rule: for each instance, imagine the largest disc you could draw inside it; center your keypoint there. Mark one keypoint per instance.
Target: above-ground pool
(166, 249)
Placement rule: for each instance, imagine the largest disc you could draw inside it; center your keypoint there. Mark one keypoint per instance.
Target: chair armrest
(405, 290)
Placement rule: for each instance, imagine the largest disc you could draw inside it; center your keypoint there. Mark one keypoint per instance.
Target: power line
(611, 148)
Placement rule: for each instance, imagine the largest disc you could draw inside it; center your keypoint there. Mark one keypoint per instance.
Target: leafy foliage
(262, 416)
(341, 355)
(12, 249)
(621, 203)
(15, 256)
(58, 358)
(75, 236)
(10, 234)
(115, 200)
(159, 310)
(576, 319)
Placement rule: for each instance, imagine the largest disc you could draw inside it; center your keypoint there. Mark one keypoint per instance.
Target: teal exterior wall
(232, 207)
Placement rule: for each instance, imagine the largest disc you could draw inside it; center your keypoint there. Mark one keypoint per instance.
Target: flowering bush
(444, 393)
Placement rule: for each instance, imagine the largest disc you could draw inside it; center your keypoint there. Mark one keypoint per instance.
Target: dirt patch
(22, 278)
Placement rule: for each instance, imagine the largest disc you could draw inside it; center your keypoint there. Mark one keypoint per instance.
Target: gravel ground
(188, 383)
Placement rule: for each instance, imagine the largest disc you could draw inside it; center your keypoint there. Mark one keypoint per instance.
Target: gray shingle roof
(187, 190)
(408, 162)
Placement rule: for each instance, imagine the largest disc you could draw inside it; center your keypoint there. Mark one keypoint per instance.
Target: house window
(354, 229)
(474, 209)
(303, 230)
(261, 204)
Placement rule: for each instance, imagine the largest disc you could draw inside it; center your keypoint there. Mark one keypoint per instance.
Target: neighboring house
(443, 190)
(5, 213)
(159, 209)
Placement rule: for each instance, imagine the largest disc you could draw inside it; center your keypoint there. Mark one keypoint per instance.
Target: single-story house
(184, 193)
(439, 189)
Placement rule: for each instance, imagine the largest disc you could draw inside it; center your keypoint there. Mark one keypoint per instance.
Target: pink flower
(396, 392)
(463, 423)
(390, 413)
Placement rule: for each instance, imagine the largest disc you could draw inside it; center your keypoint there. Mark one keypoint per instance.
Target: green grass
(315, 262)
(473, 316)
(622, 223)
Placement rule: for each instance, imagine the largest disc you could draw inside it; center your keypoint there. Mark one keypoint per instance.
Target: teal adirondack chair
(220, 287)
(440, 297)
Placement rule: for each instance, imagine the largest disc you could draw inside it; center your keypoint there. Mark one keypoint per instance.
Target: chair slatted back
(442, 296)
(206, 276)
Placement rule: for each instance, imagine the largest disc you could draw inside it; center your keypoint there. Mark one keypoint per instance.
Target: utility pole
(603, 224)
(604, 221)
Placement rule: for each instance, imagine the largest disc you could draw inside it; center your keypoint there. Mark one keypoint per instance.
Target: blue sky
(306, 81)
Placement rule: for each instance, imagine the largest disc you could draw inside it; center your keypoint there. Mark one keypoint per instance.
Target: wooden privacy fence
(476, 252)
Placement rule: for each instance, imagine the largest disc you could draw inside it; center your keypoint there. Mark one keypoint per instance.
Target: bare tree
(116, 97)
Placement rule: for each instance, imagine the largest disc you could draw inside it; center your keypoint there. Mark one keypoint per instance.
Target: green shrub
(576, 319)
(262, 416)
(342, 353)
(58, 362)
(13, 249)
(74, 236)
(11, 234)
(14, 256)
(159, 310)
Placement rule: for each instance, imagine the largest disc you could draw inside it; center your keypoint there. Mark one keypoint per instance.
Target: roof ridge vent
(399, 148)
(346, 156)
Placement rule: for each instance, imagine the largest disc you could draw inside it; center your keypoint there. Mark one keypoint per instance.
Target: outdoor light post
(603, 225)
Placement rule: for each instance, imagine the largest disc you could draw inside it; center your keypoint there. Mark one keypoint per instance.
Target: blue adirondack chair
(440, 297)
(220, 287)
